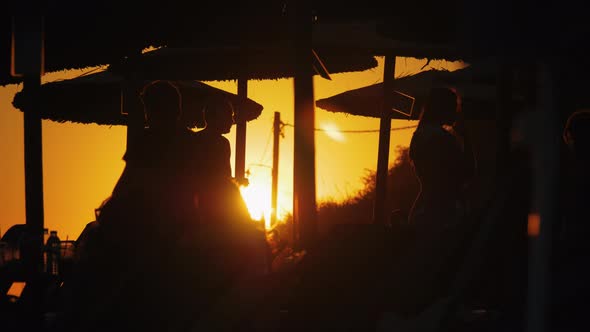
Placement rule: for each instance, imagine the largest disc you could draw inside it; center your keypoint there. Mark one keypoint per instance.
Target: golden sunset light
(294, 165)
(83, 162)
(332, 131)
(257, 197)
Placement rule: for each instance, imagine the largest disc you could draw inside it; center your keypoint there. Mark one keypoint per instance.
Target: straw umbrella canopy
(97, 98)
(234, 62)
(475, 85)
(92, 33)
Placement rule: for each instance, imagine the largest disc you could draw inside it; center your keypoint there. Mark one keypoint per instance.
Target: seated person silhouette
(219, 198)
(218, 116)
(163, 150)
(136, 249)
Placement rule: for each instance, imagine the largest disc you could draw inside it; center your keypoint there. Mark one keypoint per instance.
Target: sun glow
(333, 132)
(257, 197)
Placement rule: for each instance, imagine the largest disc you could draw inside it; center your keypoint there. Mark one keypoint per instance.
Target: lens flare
(333, 132)
(257, 198)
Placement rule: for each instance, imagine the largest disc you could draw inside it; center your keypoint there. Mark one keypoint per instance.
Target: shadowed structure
(97, 98)
(476, 87)
(231, 63)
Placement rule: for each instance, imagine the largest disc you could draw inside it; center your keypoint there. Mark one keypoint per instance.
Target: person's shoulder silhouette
(435, 149)
(162, 106)
(576, 136)
(215, 150)
(161, 149)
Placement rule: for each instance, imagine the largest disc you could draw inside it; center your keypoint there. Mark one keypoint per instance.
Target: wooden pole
(379, 208)
(304, 194)
(275, 168)
(133, 107)
(545, 161)
(28, 59)
(240, 162)
(504, 114)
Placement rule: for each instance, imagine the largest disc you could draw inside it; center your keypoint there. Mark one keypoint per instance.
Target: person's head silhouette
(441, 107)
(576, 135)
(162, 103)
(219, 116)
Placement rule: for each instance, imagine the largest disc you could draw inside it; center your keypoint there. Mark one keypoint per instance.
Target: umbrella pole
(304, 195)
(239, 171)
(379, 213)
(545, 150)
(28, 58)
(275, 168)
(135, 115)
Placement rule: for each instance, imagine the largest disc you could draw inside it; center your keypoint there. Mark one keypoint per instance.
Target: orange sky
(81, 163)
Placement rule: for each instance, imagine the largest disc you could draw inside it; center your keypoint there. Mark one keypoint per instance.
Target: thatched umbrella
(476, 87)
(97, 98)
(274, 60)
(234, 62)
(92, 33)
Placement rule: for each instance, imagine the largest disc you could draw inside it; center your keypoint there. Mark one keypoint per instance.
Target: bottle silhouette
(52, 247)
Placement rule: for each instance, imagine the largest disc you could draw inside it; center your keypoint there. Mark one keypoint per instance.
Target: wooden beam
(380, 209)
(545, 146)
(132, 106)
(240, 162)
(28, 62)
(304, 194)
(275, 168)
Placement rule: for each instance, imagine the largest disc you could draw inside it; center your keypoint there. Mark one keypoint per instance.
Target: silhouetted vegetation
(402, 188)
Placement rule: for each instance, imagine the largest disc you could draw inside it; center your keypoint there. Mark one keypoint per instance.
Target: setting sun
(257, 197)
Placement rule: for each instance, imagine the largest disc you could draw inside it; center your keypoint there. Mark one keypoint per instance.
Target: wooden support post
(240, 162)
(275, 168)
(545, 161)
(304, 191)
(28, 61)
(134, 109)
(379, 209)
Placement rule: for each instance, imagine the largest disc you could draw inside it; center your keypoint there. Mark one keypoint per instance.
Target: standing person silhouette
(572, 248)
(442, 158)
(438, 218)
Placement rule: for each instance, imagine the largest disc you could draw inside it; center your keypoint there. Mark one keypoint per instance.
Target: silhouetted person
(142, 228)
(572, 250)
(215, 148)
(440, 160)
(164, 148)
(434, 233)
(219, 197)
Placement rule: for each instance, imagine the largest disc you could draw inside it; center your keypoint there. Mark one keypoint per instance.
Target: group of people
(168, 153)
(175, 229)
